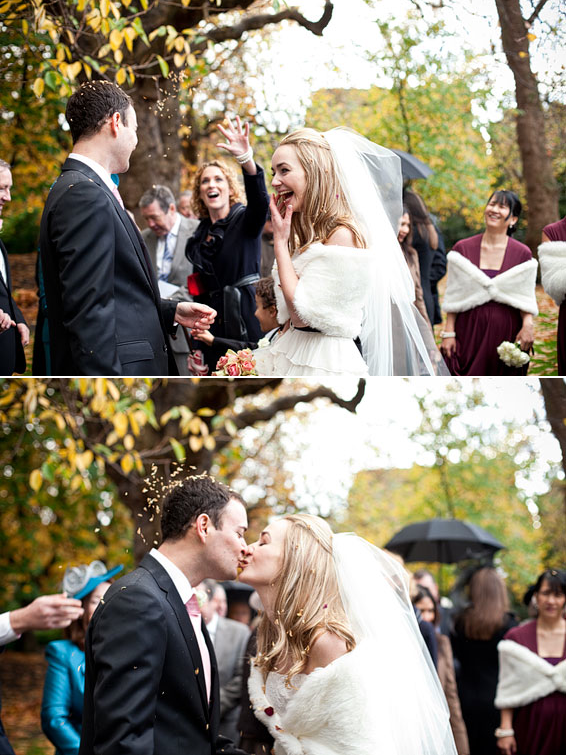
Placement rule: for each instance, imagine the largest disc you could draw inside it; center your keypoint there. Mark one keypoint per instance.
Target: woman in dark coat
(477, 631)
(490, 294)
(225, 249)
(425, 241)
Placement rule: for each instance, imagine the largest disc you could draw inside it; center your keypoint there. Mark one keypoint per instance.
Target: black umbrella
(443, 541)
(412, 167)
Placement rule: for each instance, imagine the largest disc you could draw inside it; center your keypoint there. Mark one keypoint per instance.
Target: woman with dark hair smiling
(490, 295)
(531, 692)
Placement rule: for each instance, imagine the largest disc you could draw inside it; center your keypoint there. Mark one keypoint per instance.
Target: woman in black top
(425, 241)
(225, 249)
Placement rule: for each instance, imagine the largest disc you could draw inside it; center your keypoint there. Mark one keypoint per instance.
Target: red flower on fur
(269, 711)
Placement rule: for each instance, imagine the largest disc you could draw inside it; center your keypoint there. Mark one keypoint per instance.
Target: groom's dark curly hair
(196, 495)
(92, 105)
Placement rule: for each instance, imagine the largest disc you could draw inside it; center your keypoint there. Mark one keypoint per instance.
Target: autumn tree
(151, 48)
(75, 452)
(471, 473)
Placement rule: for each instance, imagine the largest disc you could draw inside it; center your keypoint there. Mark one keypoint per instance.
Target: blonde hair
(308, 600)
(197, 205)
(325, 207)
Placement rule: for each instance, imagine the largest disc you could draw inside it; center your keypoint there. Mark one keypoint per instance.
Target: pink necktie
(196, 619)
(116, 193)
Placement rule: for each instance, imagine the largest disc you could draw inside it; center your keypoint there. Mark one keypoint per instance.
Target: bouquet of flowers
(512, 355)
(240, 363)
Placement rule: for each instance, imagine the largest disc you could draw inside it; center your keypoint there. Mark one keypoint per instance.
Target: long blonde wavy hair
(324, 205)
(308, 599)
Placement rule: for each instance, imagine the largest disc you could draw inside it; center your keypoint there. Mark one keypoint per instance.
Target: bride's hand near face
(238, 143)
(281, 221)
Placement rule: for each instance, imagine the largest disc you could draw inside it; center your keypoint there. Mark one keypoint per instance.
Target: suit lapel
(7, 284)
(166, 584)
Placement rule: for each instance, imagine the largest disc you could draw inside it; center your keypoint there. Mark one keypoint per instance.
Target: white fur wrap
(525, 677)
(552, 258)
(332, 288)
(325, 715)
(469, 287)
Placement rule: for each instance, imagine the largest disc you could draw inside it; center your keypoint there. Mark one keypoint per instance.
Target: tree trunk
(542, 188)
(554, 395)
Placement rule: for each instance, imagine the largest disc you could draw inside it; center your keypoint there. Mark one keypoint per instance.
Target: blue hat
(79, 581)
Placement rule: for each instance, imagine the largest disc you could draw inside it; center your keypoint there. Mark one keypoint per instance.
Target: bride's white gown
(330, 296)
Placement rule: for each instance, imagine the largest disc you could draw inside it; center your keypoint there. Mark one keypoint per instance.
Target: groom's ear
(203, 525)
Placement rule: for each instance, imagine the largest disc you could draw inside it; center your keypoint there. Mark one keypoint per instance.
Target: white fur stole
(469, 287)
(552, 258)
(332, 288)
(525, 677)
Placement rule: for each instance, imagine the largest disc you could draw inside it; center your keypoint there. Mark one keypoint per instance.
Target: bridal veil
(395, 338)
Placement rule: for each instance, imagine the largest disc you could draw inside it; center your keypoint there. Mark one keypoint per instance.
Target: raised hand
(46, 613)
(195, 315)
(238, 138)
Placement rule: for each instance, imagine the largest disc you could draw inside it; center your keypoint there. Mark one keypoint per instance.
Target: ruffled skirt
(305, 353)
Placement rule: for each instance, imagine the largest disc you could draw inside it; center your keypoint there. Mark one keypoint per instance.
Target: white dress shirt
(180, 580)
(7, 635)
(172, 243)
(96, 167)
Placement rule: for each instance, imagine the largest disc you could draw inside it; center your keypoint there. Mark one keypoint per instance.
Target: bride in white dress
(341, 666)
(339, 271)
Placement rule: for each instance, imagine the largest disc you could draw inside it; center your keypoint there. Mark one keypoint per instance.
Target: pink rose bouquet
(234, 364)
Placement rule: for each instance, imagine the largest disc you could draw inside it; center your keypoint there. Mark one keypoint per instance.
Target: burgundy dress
(480, 330)
(557, 232)
(540, 727)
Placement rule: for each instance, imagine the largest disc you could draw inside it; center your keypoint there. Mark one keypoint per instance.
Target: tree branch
(536, 13)
(259, 21)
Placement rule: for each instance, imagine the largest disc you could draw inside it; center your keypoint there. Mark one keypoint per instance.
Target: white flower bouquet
(512, 355)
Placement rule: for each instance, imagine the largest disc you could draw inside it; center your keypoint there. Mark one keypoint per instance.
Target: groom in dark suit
(104, 310)
(151, 682)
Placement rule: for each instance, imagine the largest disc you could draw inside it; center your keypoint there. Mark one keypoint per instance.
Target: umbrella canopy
(412, 167)
(444, 541)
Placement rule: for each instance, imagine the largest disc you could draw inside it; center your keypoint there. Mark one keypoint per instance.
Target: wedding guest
(477, 631)
(166, 238)
(531, 692)
(425, 241)
(266, 314)
(225, 249)
(63, 689)
(151, 683)
(14, 333)
(219, 601)
(336, 672)
(229, 639)
(105, 314)
(405, 238)
(426, 578)
(551, 255)
(490, 294)
(43, 613)
(337, 202)
(185, 204)
(427, 605)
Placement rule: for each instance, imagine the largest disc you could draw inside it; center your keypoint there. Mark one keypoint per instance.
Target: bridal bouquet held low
(512, 355)
(235, 364)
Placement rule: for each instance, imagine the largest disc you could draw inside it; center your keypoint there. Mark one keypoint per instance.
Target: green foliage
(426, 110)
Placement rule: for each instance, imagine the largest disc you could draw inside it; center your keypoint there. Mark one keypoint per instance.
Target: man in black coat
(151, 683)
(104, 310)
(14, 333)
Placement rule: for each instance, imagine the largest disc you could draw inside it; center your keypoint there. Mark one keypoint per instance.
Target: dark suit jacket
(143, 693)
(105, 313)
(12, 357)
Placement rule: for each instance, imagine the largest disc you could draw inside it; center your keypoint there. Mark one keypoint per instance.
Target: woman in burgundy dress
(490, 294)
(532, 676)
(552, 258)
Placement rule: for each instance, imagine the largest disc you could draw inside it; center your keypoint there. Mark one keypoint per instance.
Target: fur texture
(469, 287)
(332, 288)
(552, 258)
(324, 716)
(524, 677)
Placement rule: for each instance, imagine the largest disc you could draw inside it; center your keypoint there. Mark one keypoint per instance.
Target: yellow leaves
(129, 442)
(25, 27)
(185, 3)
(523, 54)
(120, 422)
(531, 37)
(104, 8)
(116, 39)
(178, 60)
(81, 5)
(179, 44)
(127, 463)
(73, 70)
(35, 480)
(104, 50)
(120, 76)
(118, 56)
(129, 35)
